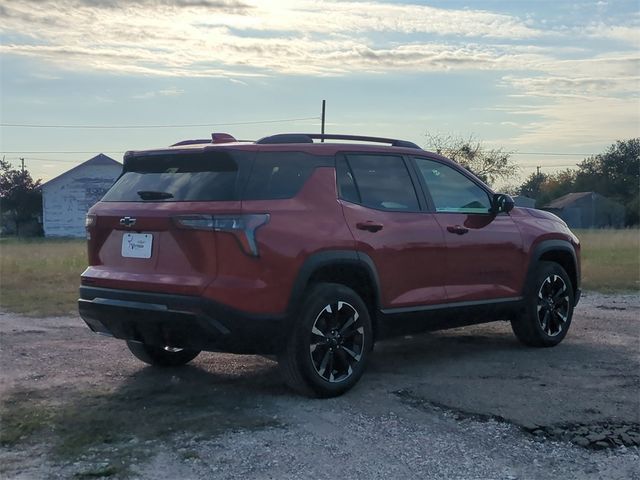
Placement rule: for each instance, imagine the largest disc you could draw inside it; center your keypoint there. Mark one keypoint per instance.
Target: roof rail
(191, 142)
(308, 138)
(286, 138)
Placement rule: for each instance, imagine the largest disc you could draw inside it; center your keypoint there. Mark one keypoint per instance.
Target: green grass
(610, 259)
(41, 277)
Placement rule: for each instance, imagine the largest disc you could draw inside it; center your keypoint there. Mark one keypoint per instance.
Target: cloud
(578, 101)
(580, 122)
(303, 37)
(623, 33)
(553, 71)
(169, 92)
(226, 5)
(357, 17)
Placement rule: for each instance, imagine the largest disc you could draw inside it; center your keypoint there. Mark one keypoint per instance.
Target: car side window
(280, 175)
(451, 191)
(346, 183)
(383, 182)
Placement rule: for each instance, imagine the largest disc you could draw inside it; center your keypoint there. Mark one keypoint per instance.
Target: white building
(67, 198)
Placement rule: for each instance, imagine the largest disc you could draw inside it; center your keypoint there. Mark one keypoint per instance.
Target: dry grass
(610, 259)
(41, 277)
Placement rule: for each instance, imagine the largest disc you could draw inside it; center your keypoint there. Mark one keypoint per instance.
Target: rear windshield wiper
(153, 195)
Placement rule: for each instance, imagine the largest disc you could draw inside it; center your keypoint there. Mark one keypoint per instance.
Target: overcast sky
(530, 76)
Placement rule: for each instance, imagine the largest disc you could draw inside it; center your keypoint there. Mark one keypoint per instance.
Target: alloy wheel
(553, 305)
(337, 342)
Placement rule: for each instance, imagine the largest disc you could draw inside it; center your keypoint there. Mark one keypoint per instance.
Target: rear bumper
(179, 321)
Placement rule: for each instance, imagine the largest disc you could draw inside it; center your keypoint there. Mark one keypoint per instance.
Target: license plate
(137, 245)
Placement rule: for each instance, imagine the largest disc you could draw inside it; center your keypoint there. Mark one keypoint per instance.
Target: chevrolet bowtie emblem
(127, 221)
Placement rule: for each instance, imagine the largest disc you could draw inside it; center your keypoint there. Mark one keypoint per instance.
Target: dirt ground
(469, 403)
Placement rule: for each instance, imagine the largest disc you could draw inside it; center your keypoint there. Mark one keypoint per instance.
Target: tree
(547, 187)
(614, 174)
(488, 164)
(20, 195)
(532, 186)
(555, 186)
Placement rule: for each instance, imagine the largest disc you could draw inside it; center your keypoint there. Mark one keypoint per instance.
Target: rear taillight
(243, 227)
(89, 221)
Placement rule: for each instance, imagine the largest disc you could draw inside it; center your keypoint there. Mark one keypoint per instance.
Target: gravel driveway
(467, 403)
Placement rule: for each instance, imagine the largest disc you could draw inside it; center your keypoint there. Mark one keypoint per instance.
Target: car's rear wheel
(329, 344)
(162, 356)
(548, 308)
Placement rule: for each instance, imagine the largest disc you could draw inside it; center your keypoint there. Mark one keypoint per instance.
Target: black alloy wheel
(548, 307)
(329, 343)
(337, 342)
(553, 305)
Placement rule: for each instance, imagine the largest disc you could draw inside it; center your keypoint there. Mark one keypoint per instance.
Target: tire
(548, 309)
(162, 356)
(329, 344)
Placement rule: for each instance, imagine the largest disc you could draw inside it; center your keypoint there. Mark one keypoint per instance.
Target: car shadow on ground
(488, 372)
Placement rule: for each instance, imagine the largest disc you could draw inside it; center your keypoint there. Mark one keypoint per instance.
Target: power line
(53, 160)
(63, 151)
(549, 166)
(186, 125)
(555, 154)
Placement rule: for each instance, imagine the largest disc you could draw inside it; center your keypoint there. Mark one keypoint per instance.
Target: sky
(550, 81)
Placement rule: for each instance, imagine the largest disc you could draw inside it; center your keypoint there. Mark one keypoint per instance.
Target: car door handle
(457, 229)
(369, 226)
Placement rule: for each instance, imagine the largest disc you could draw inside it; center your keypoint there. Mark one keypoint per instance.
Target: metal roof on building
(100, 159)
(567, 199)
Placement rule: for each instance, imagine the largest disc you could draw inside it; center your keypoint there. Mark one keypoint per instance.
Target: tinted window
(452, 191)
(346, 183)
(177, 177)
(277, 175)
(383, 182)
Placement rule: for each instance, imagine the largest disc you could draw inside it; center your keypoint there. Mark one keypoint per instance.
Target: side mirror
(502, 203)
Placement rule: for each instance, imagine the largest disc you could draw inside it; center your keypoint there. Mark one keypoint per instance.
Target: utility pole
(22, 162)
(538, 170)
(324, 103)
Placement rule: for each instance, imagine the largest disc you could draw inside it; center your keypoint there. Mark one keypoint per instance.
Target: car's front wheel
(329, 344)
(161, 356)
(548, 308)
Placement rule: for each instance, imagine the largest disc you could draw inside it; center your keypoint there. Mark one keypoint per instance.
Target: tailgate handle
(369, 226)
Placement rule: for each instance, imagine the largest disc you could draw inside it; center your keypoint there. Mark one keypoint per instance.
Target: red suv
(312, 251)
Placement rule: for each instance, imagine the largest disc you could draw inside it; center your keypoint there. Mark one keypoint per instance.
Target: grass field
(610, 259)
(41, 277)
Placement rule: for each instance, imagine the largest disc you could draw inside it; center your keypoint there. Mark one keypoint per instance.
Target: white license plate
(137, 245)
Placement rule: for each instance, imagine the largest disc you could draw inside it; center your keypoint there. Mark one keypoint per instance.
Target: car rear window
(208, 176)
